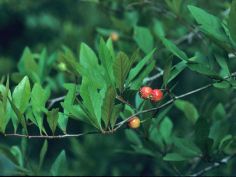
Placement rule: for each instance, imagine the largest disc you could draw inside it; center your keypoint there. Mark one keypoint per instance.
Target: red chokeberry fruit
(155, 95)
(144, 92)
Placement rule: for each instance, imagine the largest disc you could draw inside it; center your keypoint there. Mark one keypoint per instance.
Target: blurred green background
(53, 23)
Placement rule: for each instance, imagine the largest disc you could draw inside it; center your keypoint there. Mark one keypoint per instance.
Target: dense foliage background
(55, 24)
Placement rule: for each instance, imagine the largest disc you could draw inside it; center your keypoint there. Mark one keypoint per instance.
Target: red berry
(155, 95)
(134, 122)
(144, 92)
(114, 36)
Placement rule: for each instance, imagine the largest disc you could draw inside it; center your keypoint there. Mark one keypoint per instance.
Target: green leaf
(15, 150)
(166, 127)
(202, 59)
(110, 47)
(203, 69)
(130, 93)
(222, 57)
(226, 142)
(59, 166)
(115, 113)
(70, 62)
(29, 114)
(188, 108)
(106, 60)
(188, 146)
(175, 50)
(19, 115)
(38, 98)
(219, 113)
(88, 58)
(42, 65)
(95, 76)
(202, 128)
(221, 85)
(21, 95)
(7, 152)
(42, 153)
(108, 104)
(31, 66)
(5, 94)
(134, 72)
(143, 36)
(231, 22)
(176, 70)
(34, 169)
(218, 132)
(138, 81)
(133, 137)
(212, 27)
(174, 157)
(52, 118)
(92, 100)
(167, 69)
(141, 150)
(205, 144)
(121, 69)
(134, 57)
(211, 57)
(3, 121)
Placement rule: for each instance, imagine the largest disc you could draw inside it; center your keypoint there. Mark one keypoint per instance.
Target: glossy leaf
(144, 151)
(15, 150)
(115, 113)
(226, 142)
(135, 71)
(211, 57)
(231, 21)
(174, 157)
(5, 94)
(143, 36)
(59, 166)
(188, 108)
(202, 128)
(42, 153)
(88, 58)
(121, 69)
(70, 62)
(167, 69)
(52, 118)
(108, 104)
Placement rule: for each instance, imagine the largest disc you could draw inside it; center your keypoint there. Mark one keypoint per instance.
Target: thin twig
(216, 165)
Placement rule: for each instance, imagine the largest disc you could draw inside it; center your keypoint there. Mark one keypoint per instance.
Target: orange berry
(114, 36)
(134, 122)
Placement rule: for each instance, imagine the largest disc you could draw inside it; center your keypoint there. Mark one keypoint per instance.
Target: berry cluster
(147, 93)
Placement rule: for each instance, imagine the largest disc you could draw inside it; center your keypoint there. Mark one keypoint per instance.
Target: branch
(168, 102)
(216, 164)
